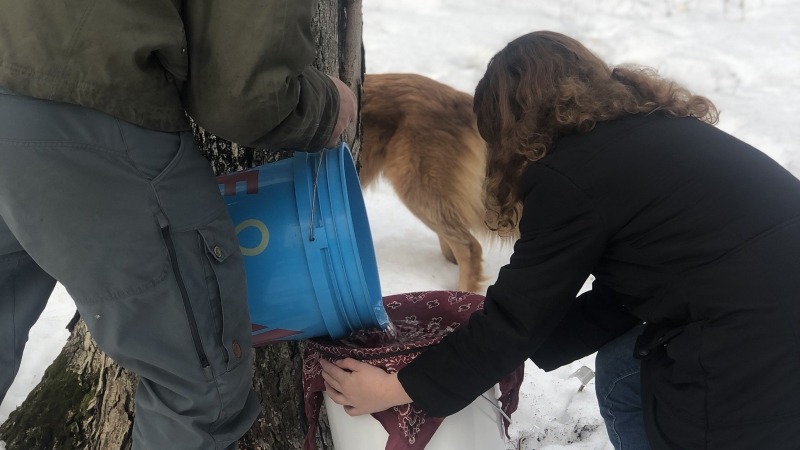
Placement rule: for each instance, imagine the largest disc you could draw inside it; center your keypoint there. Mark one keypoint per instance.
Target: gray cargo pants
(132, 223)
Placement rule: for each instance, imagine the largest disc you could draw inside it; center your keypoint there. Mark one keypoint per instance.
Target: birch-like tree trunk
(85, 401)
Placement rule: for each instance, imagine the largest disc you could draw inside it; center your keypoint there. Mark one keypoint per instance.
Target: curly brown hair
(544, 85)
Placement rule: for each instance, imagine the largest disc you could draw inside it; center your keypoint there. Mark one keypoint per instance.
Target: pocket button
(237, 349)
(217, 250)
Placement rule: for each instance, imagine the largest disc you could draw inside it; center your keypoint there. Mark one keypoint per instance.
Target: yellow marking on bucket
(262, 228)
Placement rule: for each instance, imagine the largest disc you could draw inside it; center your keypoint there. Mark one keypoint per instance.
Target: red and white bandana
(420, 319)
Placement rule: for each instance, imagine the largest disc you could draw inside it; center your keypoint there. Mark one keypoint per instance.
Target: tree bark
(85, 400)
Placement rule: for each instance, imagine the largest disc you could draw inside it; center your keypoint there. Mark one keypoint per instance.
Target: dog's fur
(422, 135)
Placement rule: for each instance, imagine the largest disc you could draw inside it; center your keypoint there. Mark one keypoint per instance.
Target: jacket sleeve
(561, 241)
(250, 77)
(594, 319)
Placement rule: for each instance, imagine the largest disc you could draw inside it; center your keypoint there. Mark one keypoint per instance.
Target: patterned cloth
(419, 320)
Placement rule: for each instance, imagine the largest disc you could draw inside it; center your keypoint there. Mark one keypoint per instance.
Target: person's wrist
(347, 110)
(399, 394)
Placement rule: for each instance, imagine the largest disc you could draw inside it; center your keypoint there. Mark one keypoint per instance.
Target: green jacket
(240, 69)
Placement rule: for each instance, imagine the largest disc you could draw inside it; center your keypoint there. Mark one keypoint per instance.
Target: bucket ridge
(335, 220)
(318, 250)
(363, 263)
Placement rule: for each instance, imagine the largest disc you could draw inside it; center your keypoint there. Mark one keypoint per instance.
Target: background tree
(85, 400)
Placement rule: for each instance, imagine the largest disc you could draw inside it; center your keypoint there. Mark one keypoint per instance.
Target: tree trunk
(85, 401)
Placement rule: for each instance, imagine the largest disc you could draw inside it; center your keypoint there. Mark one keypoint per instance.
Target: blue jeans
(619, 392)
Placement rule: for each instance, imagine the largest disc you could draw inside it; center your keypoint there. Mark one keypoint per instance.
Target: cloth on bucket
(420, 319)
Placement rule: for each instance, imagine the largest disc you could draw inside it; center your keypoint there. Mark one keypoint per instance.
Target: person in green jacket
(103, 189)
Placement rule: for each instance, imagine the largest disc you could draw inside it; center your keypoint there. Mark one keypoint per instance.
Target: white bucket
(479, 426)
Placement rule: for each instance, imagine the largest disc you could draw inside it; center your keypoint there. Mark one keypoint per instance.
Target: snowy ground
(743, 54)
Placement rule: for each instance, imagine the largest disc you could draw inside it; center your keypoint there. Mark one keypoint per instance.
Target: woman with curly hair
(619, 174)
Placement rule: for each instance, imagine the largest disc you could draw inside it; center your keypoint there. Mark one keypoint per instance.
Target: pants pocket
(227, 289)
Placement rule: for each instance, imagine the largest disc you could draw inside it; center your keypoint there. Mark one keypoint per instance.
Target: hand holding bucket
(308, 253)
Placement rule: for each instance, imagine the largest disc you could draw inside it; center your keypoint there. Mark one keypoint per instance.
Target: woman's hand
(362, 388)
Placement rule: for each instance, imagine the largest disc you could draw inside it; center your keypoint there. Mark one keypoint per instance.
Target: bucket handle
(314, 198)
(495, 406)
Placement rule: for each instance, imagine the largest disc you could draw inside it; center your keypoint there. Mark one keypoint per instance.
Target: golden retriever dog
(423, 137)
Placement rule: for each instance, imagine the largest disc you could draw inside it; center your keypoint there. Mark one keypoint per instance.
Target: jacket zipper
(201, 354)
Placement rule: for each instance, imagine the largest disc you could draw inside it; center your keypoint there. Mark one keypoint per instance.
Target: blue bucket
(307, 246)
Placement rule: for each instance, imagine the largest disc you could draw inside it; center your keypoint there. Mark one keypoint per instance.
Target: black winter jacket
(683, 227)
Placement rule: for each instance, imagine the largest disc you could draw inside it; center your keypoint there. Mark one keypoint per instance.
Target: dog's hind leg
(468, 254)
(446, 250)
(457, 243)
